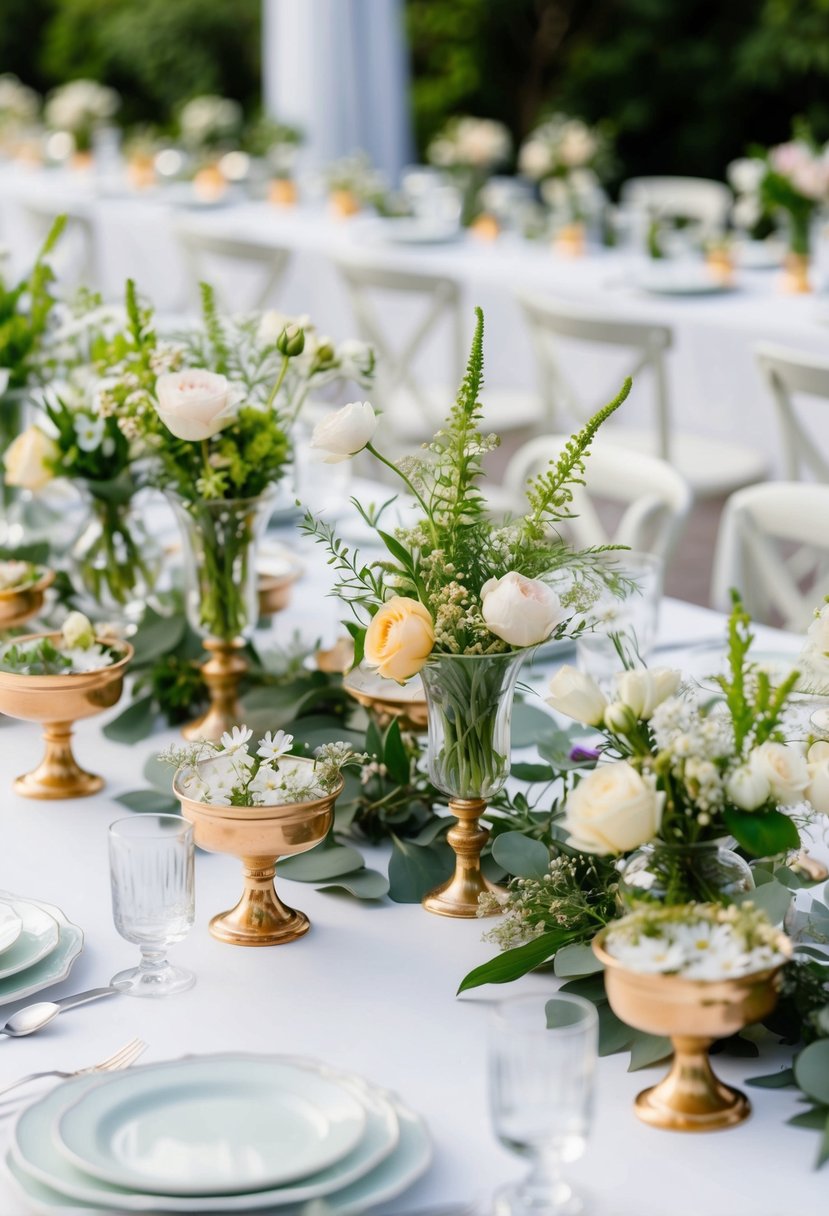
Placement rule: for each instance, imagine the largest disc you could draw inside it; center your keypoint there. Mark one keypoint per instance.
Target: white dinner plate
(409, 230)
(410, 1159)
(37, 1154)
(707, 662)
(38, 937)
(669, 280)
(212, 1125)
(50, 970)
(11, 926)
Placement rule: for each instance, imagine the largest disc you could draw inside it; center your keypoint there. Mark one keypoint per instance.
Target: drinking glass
(542, 1057)
(153, 898)
(631, 617)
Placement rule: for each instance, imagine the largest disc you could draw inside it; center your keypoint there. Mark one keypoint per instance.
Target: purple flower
(583, 755)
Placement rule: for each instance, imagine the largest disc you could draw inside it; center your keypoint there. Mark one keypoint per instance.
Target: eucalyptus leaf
(157, 636)
(414, 869)
(811, 1070)
(576, 960)
(321, 863)
(512, 964)
(395, 756)
(772, 898)
(647, 1049)
(773, 1080)
(614, 1034)
(134, 723)
(151, 802)
(532, 772)
(814, 1120)
(364, 884)
(823, 1151)
(431, 830)
(591, 987)
(520, 855)
(159, 775)
(530, 724)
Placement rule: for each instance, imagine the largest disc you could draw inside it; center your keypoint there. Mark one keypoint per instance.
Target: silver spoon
(28, 1020)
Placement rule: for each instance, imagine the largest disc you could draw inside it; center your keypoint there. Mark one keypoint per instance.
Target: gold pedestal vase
(387, 701)
(693, 1014)
(58, 701)
(469, 700)
(20, 604)
(221, 595)
(259, 836)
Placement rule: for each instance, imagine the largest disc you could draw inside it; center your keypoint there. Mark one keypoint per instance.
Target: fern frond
(213, 329)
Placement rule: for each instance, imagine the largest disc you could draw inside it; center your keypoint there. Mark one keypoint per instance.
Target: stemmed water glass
(542, 1058)
(151, 859)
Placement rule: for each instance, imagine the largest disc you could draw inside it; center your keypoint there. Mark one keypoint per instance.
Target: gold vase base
(51, 786)
(459, 897)
(691, 1098)
(260, 918)
(222, 673)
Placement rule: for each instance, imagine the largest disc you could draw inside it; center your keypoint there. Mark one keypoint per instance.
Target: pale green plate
(51, 969)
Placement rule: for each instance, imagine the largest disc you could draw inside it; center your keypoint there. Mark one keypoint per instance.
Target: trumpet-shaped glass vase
(680, 874)
(115, 560)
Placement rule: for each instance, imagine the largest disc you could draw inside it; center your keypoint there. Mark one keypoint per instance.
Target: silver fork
(121, 1059)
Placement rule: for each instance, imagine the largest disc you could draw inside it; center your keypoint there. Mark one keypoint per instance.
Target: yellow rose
(28, 461)
(400, 638)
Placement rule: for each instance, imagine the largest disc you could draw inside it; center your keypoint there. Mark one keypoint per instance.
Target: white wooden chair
(654, 497)
(384, 301)
(788, 372)
(204, 253)
(74, 258)
(700, 199)
(712, 467)
(766, 535)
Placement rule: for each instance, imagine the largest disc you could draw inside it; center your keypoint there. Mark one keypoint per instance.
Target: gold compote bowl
(693, 1014)
(386, 700)
(20, 604)
(58, 701)
(258, 836)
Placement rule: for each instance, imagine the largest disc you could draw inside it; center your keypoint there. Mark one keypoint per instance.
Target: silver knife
(81, 998)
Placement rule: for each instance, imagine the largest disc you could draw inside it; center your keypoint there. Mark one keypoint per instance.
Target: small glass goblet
(631, 617)
(542, 1057)
(151, 860)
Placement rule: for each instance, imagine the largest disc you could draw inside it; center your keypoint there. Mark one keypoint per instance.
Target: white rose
(578, 144)
(613, 810)
(271, 326)
(194, 404)
(534, 159)
(356, 359)
(77, 631)
(29, 459)
(817, 791)
(645, 688)
(344, 433)
(577, 696)
(745, 174)
(521, 611)
(748, 788)
(784, 767)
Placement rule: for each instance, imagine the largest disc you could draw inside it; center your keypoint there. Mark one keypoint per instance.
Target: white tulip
(344, 433)
(613, 809)
(577, 696)
(194, 404)
(784, 767)
(522, 611)
(645, 688)
(748, 788)
(619, 718)
(29, 460)
(817, 791)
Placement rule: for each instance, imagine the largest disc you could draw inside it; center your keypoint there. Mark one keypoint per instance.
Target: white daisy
(274, 747)
(88, 432)
(232, 741)
(266, 783)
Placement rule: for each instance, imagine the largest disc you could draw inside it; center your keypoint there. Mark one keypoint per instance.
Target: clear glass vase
(220, 538)
(678, 874)
(469, 700)
(115, 560)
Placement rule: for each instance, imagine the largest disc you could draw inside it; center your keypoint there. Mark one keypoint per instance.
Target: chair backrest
(696, 198)
(550, 320)
(773, 546)
(399, 342)
(788, 372)
(201, 249)
(74, 258)
(655, 496)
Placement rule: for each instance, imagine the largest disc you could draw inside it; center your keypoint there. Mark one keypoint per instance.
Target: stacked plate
(224, 1133)
(38, 946)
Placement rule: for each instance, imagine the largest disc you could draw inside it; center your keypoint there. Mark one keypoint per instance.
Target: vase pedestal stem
(58, 775)
(222, 673)
(260, 918)
(691, 1098)
(459, 896)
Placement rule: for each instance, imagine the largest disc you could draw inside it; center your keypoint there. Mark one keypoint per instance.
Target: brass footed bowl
(693, 1014)
(259, 836)
(20, 604)
(58, 702)
(387, 700)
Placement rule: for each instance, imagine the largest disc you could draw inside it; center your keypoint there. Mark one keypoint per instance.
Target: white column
(339, 70)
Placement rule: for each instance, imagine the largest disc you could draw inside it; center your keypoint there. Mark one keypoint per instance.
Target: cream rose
(748, 788)
(817, 791)
(784, 767)
(521, 611)
(29, 460)
(645, 688)
(344, 433)
(613, 810)
(77, 631)
(194, 404)
(400, 638)
(577, 695)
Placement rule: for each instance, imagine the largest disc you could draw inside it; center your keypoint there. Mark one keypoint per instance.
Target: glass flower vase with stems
(221, 595)
(798, 258)
(703, 872)
(469, 700)
(115, 559)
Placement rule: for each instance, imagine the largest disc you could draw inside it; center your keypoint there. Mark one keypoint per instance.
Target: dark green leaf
(364, 884)
(512, 964)
(134, 723)
(811, 1070)
(591, 987)
(414, 869)
(614, 1034)
(532, 772)
(394, 754)
(520, 855)
(773, 1080)
(152, 802)
(823, 1151)
(762, 833)
(813, 1120)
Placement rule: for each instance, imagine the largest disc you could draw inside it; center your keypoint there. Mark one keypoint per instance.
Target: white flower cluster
(813, 660)
(806, 169)
(744, 176)
(18, 103)
(207, 119)
(79, 105)
(696, 941)
(479, 143)
(558, 147)
(14, 574)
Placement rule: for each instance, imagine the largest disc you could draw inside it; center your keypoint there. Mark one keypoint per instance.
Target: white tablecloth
(716, 389)
(371, 989)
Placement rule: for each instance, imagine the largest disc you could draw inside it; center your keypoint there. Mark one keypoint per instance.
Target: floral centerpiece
(796, 182)
(15, 575)
(19, 108)
(80, 107)
(352, 184)
(565, 156)
(76, 649)
(278, 143)
(458, 598)
(208, 126)
(470, 149)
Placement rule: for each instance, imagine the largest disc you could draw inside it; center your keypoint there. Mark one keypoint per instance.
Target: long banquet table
(716, 388)
(370, 989)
